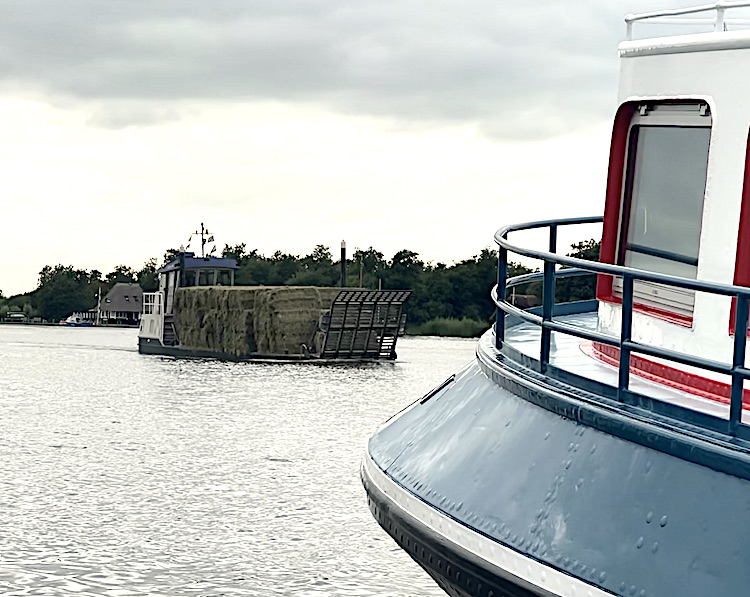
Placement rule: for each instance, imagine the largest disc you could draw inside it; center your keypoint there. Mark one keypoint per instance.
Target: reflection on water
(130, 475)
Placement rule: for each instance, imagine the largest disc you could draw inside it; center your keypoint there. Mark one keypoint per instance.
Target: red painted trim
(678, 379)
(742, 261)
(615, 177)
(676, 318)
(614, 227)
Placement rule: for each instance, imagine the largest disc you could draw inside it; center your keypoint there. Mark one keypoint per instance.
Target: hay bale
(244, 320)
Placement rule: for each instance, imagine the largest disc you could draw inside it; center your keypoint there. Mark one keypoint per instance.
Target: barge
(199, 312)
(602, 447)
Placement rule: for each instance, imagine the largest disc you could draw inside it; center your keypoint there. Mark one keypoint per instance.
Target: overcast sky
(423, 125)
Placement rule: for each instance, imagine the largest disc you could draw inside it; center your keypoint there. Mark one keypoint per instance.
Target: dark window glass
(668, 183)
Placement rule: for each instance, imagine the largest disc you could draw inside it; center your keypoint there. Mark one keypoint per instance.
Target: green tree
(29, 311)
(121, 273)
(64, 290)
(147, 276)
(238, 253)
(581, 287)
(586, 249)
(169, 255)
(403, 271)
(282, 268)
(316, 269)
(366, 267)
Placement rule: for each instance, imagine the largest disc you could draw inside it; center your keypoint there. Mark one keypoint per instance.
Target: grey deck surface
(567, 353)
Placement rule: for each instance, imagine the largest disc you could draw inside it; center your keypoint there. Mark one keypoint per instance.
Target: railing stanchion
(502, 276)
(553, 238)
(719, 18)
(548, 300)
(738, 361)
(623, 381)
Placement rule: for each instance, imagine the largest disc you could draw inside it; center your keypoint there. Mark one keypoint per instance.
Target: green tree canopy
(64, 290)
(121, 273)
(147, 277)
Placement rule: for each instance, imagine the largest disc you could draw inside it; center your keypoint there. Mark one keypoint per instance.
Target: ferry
(199, 312)
(601, 447)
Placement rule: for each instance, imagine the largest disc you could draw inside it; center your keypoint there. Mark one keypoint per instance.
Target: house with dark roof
(121, 305)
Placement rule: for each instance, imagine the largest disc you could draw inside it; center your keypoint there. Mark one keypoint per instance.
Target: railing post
(719, 18)
(738, 361)
(548, 300)
(502, 276)
(623, 380)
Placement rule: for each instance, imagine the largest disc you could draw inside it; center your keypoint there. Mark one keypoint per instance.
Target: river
(129, 475)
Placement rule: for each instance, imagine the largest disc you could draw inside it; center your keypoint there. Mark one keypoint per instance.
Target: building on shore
(122, 305)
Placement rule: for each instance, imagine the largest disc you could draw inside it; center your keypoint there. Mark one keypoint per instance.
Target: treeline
(63, 289)
(452, 299)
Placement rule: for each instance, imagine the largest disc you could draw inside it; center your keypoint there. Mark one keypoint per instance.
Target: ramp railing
(363, 324)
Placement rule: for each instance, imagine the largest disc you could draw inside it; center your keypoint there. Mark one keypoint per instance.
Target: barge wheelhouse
(602, 447)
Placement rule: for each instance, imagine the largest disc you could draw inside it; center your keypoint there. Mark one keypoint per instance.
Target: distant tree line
(440, 293)
(63, 289)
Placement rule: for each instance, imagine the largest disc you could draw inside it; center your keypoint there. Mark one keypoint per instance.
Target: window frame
(619, 201)
(742, 259)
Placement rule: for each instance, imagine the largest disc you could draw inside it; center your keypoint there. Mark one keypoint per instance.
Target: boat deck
(574, 355)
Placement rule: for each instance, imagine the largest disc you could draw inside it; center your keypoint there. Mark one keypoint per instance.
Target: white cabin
(678, 198)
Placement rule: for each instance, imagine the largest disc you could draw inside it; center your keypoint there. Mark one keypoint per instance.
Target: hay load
(246, 320)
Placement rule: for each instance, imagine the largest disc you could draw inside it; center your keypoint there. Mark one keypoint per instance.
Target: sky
(285, 124)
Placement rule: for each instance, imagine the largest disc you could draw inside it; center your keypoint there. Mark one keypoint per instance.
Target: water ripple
(127, 475)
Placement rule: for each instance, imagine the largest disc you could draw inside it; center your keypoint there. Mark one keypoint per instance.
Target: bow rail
(734, 367)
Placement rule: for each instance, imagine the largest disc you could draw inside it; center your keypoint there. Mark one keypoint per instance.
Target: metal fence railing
(153, 303)
(735, 368)
(679, 16)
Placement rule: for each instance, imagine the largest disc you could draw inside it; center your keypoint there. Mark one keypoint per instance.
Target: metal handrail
(624, 342)
(657, 16)
(153, 303)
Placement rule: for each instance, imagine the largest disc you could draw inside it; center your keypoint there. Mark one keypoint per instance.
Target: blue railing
(625, 343)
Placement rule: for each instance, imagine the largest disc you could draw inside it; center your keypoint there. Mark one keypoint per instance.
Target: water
(130, 475)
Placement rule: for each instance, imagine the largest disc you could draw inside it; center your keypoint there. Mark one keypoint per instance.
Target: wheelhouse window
(661, 208)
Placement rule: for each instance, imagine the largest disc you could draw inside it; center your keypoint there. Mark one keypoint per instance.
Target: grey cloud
(517, 70)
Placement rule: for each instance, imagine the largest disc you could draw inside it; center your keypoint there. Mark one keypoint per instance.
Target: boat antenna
(206, 237)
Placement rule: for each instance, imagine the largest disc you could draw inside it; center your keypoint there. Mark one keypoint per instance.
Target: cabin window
(205, 277)
(665, 164)
(190, 278)
(225, 277)
(666, 199)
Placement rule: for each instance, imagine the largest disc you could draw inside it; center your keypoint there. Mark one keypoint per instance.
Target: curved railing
(626, 345)
(674, 16)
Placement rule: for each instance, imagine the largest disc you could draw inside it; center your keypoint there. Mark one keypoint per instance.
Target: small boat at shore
(80, 320)
(602, 447)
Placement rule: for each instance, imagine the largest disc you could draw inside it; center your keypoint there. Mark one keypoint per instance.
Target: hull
(154, 347)
(501, 483)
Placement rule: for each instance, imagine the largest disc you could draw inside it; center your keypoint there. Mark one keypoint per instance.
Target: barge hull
(152, 346)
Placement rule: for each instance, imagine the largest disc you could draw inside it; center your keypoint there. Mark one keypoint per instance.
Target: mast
(206, 237)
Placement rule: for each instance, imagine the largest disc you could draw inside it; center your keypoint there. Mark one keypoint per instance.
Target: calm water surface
(130, 475)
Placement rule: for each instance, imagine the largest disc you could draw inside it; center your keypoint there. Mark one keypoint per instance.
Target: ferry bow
(601, 445)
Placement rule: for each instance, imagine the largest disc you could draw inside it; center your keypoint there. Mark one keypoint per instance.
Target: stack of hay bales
(246, 320)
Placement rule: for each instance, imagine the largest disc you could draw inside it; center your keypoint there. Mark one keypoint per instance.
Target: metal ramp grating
(364, 324)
